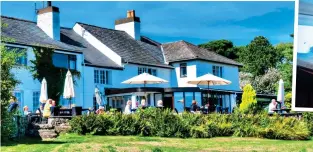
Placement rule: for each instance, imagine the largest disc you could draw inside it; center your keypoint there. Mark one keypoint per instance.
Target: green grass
(76, 143)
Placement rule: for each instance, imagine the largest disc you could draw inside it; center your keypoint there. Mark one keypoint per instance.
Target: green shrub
(165, 123)
(288, 98)
(200, 131)
(308, 118)
(248, 98)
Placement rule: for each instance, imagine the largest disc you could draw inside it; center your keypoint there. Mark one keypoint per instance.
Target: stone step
(44, 134)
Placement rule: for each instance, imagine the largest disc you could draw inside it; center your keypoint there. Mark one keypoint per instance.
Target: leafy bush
(165, 123)
(308, 118)
(248, 98)
(288, 98)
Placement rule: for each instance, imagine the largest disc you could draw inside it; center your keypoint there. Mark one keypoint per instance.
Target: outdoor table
(65, 112)
(281, 110)
(33, 117)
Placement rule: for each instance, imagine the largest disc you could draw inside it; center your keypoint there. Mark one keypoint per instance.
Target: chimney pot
(131, 14)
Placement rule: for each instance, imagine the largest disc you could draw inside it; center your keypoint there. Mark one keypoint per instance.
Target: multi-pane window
(22, 59)
(101, 76)
(36, 100)
(64, 60)
(147, 70)
(96, 76)
(217, 71)
(183, 70)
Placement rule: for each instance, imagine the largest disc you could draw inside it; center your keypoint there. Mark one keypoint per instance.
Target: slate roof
(28, 33)
(305, 64)
(182, 51)
(131, 50)
(93, 56)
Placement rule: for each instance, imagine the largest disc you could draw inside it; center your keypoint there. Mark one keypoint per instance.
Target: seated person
(160, 103)
(194, 107)
(272, 106)
(25, 110)
(100, 110)
(143, 104)
(38, 111)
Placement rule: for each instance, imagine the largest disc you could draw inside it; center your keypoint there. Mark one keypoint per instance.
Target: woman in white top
(128, 107)
(160, 103)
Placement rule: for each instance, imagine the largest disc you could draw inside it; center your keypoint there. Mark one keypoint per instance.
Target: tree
(267, 83)
(284, 65)
(248, 98)
(244, 79)
(8, 83)
(43, 67)
(258, 56)
(222, 47)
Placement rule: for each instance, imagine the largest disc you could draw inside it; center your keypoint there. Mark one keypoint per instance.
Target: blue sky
(196, 22)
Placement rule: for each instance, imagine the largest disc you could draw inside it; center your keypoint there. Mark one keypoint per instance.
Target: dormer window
(183, 70)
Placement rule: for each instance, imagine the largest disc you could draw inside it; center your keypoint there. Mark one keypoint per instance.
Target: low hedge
(164, 123)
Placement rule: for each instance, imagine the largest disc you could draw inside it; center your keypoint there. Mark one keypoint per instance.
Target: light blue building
(106, 57)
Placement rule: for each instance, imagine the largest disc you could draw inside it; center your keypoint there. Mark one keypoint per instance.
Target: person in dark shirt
(194, 107)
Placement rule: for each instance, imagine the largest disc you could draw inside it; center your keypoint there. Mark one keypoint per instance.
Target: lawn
(76, 143)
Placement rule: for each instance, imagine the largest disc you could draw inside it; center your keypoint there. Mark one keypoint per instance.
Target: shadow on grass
(29, 141)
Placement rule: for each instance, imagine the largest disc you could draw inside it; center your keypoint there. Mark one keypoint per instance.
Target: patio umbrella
(209, 79)
(281, 92)
(43, 91)
(68, 92)
(98, 96)
(145, 78)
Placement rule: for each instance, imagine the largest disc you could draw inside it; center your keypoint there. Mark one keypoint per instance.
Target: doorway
(168, 100)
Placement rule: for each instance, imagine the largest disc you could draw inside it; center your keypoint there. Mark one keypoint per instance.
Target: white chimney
(131, 25)
(48, 19)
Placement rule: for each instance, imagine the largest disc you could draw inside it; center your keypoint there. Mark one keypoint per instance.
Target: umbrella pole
(70, 102)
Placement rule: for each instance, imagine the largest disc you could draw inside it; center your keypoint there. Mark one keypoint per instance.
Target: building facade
(106, 57)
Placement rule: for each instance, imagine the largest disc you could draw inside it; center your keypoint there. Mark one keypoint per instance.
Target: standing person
(128, 107)
(52, 107)
(13, 104)
(46, 110)
(272, 106)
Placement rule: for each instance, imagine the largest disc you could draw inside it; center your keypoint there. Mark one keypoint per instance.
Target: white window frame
(21, 100)
(217, 70)
(103, 76)
(146, 70)
(36, 100)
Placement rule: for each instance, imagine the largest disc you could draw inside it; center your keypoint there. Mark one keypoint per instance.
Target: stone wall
(51, 129)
